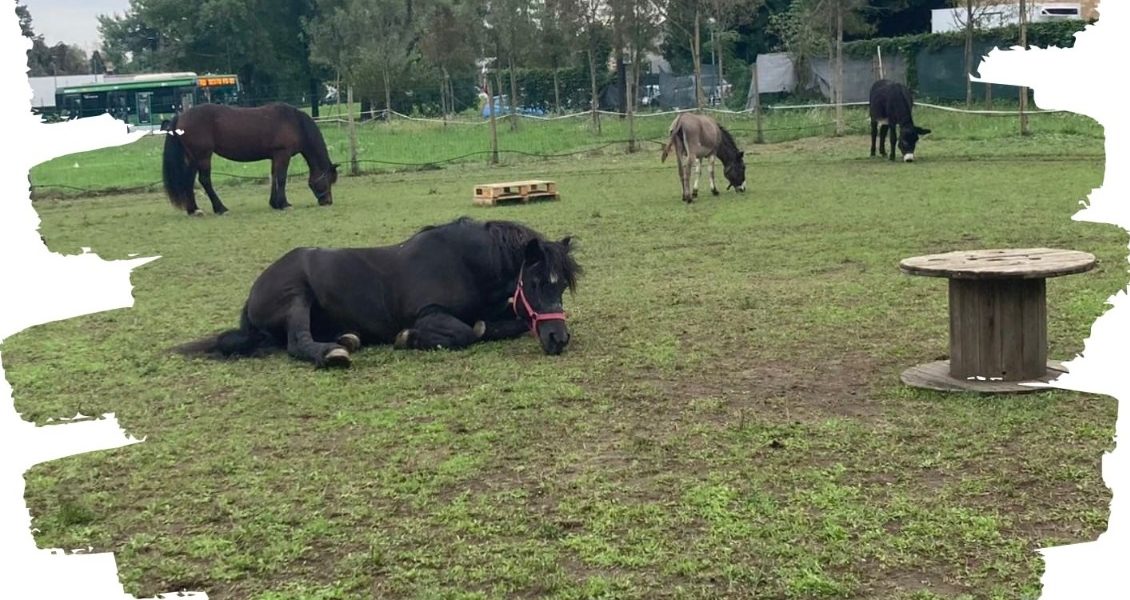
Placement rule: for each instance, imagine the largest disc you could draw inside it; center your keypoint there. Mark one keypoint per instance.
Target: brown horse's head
(320, 183)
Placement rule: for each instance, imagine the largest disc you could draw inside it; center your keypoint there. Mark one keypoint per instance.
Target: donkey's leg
(883, 139)
(279, 165)
(438, 331)
(894, 136)
(713, 184)
(684, 175)
(874, 134)
(206, 182)
(697, 176)
(300, 342)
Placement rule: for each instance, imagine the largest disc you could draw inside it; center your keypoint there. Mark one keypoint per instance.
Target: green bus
(146, 99)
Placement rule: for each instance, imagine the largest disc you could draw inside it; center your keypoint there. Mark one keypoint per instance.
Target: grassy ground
(727, 422)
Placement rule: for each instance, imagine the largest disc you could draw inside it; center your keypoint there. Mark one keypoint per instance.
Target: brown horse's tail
(178, 174)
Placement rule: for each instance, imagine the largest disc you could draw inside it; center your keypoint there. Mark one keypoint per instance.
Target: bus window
(143, 108)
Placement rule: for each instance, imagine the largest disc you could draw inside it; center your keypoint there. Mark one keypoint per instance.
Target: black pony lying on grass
(448, 286)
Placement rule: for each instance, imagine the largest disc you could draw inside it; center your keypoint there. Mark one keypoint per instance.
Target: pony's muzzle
(554, 337)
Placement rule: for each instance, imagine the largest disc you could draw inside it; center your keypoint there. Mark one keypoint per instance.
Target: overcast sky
(71, 21)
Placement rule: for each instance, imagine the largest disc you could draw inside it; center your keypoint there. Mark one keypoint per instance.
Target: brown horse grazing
(695, 137)
(274, 131)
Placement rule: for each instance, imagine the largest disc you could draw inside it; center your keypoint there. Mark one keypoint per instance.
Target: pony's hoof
(403, 339)
(480, 329)
(337, 358)
(714, 191)
(350, 342)
(196, 213)
(694, 194)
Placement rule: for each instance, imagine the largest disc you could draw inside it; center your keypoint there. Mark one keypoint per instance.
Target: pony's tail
(179, 176)
(245, 341)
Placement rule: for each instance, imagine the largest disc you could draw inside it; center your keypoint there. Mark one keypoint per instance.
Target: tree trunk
(556, 92)
(388, 97)
(444, 104)
(696, 54)
(1023, 90)
(353, 169)
(498, 88)
(595, 100)
(315, 96)
(630, 106)
(839, 77)
(968, 53)
(621, 81)
(513, 95)
(493, 126)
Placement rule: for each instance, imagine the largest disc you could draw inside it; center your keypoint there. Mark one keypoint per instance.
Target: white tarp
(775, 73)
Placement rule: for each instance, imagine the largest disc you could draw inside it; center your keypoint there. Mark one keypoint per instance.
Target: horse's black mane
(511, 239)
(728, 148)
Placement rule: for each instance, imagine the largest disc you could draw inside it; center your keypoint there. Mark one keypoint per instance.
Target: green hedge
(1060, 34)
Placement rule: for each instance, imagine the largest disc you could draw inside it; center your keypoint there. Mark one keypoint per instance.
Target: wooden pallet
(491, 194)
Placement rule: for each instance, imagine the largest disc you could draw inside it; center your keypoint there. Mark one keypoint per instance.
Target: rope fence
(854, 122)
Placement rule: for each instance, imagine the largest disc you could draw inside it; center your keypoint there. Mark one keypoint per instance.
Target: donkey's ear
(921, 131)
(741, 154)
(534, 252)
(567, 241)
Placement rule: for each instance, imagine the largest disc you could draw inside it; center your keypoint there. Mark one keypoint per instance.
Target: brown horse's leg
(279, 165)
(206, 182)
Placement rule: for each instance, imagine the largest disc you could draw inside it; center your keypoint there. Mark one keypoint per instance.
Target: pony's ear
(534, 253)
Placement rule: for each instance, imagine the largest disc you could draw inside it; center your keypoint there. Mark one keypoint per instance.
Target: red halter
(534, 317)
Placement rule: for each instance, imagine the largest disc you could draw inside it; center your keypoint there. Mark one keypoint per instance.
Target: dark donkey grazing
(447, 286)
(891, 108)
(695, 137)
(274, 131)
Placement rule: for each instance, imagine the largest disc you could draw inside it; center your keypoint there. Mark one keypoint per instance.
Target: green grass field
(727, 422)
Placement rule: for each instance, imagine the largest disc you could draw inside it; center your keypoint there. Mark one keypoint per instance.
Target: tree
(811, 25)
(512, 28)
(368, 42)
(726, 15)
(971, 18)
(635, 25)
(556, 47)
(260, 40)
(25, 20)
(591, 35)
(449, 45)
(44, 60)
